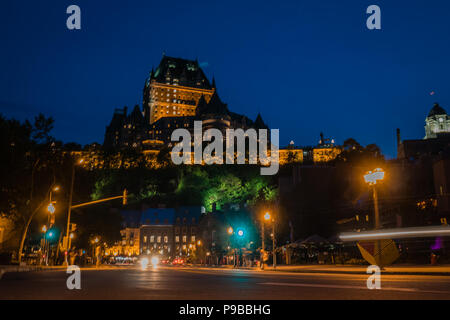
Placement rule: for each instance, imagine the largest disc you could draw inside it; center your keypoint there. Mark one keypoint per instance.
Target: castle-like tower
(437, 122)
(174, 89)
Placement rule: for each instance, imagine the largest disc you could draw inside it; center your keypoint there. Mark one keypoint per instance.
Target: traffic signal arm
(98, 201)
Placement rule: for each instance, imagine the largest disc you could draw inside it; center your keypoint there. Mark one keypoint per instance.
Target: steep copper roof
(436, 110)
(187, 72)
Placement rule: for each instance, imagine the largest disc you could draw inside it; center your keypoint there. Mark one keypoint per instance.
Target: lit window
(152, 239)
(193, 239)
(145, 239)
(158, 239)
(166, 239)
(184, 238)
(177, 239)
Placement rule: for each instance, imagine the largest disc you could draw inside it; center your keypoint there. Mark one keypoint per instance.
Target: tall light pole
(66, 240)
(371, 178)
(267, 217)
(262, 246)
(274, 254)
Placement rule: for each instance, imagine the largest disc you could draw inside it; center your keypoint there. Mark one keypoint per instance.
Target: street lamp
(51, 208)
(230, 230)
(268, 217)
(372, 178)
(67, 240)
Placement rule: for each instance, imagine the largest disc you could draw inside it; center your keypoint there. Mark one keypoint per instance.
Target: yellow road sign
(379, 252)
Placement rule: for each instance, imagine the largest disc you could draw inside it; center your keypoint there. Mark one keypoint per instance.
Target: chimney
(399, 141)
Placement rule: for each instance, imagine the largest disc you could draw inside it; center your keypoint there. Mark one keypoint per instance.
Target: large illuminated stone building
(174, 96)
(177, 94)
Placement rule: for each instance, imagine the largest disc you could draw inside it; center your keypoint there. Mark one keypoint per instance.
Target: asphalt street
(204, 284)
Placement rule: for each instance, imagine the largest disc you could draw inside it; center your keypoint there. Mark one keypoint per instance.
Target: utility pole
(262, 246)
(274, 255)
(375, 204)
(66, 241)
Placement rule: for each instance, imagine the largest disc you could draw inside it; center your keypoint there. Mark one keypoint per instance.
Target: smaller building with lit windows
(169, 232)
(157, 231)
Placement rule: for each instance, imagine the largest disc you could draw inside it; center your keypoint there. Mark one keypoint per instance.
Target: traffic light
(125, 196)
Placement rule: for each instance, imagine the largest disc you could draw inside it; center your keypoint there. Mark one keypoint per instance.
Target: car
(178, 261)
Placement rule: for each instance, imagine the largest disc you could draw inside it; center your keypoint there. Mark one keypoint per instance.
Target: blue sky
(307, 66)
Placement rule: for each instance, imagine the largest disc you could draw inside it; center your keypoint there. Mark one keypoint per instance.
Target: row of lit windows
(166, 239)
(158, 239)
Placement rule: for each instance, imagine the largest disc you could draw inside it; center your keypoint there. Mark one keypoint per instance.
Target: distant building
(437, 122)
(167, 232)
(157, 231)
(174, 96)
(437, 137)
(175, 89)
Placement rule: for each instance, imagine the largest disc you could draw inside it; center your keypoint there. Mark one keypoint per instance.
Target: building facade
(437, 122)
(174, 96)
(437, 137)
(175, 89)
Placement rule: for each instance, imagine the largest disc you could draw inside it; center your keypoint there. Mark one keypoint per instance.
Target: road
(197, 283)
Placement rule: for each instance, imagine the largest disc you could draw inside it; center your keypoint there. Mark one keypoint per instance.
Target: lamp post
(261, 263)
(67, 240)
(268, 217)
(371, 178)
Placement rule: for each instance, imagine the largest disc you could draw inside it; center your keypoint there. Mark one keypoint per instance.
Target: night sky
(307, 66)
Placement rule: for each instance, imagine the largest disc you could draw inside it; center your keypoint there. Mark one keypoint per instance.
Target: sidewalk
(17, 268)
(442, 270)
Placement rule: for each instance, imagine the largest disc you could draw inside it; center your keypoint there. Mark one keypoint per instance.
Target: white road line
(315, 285)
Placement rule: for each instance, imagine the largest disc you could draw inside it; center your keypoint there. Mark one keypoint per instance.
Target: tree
(27, 165)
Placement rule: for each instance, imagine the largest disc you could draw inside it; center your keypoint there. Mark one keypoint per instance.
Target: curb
(418, 273)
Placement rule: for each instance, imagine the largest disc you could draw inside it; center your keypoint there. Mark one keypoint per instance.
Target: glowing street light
(44, 229)
(51, 208)
(268, 217)
(372, 177)
(230, 230)
(240, 233)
